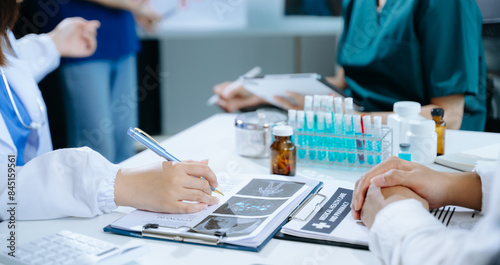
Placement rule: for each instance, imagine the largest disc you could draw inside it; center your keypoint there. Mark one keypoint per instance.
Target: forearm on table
(465, 190)
(453, 110)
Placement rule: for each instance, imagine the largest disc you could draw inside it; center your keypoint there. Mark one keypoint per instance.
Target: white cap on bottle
(407, 108)
(282, 130)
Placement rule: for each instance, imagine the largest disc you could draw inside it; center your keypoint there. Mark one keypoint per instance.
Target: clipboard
(152, 231)
(157, 232)
(268, 86)
(308, 216)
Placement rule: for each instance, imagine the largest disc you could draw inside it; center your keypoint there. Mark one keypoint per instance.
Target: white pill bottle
(422, 137)
(404, 112)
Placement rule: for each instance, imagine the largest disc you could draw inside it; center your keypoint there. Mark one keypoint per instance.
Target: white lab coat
(52, 184)
(405, 233)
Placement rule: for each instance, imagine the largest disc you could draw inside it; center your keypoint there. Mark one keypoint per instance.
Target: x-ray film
(271, 188)
(232, 226)
(249, 206)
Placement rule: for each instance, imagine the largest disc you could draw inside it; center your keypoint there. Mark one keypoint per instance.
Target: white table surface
(214, 139)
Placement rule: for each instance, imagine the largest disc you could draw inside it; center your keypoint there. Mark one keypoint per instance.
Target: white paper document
(469, 159)
(253, 208)
(332, 221)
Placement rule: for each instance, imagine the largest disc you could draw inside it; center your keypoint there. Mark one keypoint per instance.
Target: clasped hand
(397, 179)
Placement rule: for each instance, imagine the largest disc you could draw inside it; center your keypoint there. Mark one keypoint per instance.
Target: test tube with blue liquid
(349, 106)
(317, 134)
(377, 134)
(321, 139)
(339, 128)
(359, 138)
(339, 142)
(350, 143)
(329, 127)
(311, 139)
(367, 125)
(292, 121)
(301, 138)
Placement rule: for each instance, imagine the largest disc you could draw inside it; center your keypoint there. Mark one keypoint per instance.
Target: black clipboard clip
(191, 236)
(316, 208)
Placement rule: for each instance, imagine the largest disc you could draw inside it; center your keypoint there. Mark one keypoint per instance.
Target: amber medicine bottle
(437, 116)
(283, 152)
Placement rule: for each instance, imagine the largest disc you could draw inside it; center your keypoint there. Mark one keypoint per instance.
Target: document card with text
(253, 210)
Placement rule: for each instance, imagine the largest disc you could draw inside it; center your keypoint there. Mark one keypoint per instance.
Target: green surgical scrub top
(415, 50)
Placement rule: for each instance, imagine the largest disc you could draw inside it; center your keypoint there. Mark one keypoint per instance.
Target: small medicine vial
(283, 152)
(404, 151)
(437, 116)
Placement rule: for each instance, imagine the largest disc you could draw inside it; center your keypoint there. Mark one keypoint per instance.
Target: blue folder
(136, 234)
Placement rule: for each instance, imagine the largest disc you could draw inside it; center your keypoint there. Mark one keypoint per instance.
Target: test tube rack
(342, 150)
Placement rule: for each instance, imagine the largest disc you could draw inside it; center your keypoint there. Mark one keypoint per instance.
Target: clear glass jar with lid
(253, 132)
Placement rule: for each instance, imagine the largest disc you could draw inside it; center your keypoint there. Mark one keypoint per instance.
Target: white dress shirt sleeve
(67, 182)
(487, 174)
(405, 233)
(40, 52)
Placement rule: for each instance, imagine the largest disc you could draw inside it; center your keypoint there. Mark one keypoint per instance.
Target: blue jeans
(101, 104)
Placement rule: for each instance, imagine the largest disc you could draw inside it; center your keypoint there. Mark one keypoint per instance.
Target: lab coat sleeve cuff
(393, 223)
(106, 193)
(486, 173)
(55, 57)
(41, 52)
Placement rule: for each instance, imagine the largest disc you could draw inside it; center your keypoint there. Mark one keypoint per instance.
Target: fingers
(286, 104)
(299, 98)
(199, 170)
(186, 207)
(236, 104)
(234, 90)
(391, 178)
(364, 182)
(296, 102)
(198, 196)
(220, 87)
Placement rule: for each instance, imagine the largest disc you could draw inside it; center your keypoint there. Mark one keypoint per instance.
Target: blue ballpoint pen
(148, 141)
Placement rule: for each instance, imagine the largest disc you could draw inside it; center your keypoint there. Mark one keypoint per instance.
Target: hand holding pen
(154, 146)
(233, 96)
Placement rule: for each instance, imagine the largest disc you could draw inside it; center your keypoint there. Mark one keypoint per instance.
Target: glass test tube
(320, 138)
(350, 143)
(311, 139)
(301, 138)
(339, 141)
(359, 135)
(367, 125)
(377, 134)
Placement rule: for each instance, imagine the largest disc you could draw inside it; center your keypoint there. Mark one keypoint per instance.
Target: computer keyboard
(71, 248)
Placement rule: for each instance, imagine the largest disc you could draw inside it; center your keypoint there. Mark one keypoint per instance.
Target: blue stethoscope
(32, 125)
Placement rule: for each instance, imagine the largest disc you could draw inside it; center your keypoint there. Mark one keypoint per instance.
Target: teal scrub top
(415, 50)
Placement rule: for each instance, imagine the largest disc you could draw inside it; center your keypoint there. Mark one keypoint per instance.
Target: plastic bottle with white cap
(404, 112)
(422, 137)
